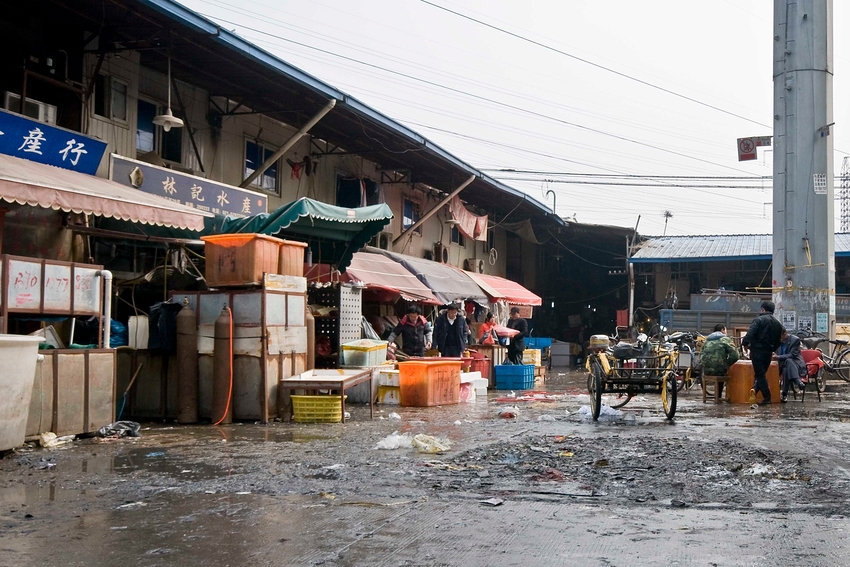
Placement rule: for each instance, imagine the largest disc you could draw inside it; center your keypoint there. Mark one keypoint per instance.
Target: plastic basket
(538, 342)
(317, 409)
(532, 356)
(514, 376)
(365, 352)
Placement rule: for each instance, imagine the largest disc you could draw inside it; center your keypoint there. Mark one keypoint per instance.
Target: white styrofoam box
(470, 376)
(467, 393)
(560, 348)
(563, 360)
(532, 356)
(481, 393)
(390, 395)
(390, 378)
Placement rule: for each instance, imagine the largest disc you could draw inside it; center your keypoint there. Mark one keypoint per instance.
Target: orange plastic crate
(240, 259)
(291, 262)
(425, 383)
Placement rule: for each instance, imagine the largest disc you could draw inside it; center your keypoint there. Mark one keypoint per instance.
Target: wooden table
(330, 379)
(740, 382)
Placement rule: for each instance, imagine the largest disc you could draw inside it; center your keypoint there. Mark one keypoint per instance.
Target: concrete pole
(803, 189)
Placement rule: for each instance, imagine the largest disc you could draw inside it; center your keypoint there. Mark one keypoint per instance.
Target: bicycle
(836, 361)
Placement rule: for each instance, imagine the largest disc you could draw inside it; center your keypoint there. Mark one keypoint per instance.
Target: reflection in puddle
(20, 494)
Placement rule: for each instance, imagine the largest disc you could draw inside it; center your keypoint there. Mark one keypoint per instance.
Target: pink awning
(382, 275)
(377, 271)
(29, 183)
(501, 288)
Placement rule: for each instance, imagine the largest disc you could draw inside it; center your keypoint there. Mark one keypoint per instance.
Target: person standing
(791, 363)
(450, 332)
(415, 332)
(718, 354)
(487, 334)
(517, 344)
(762, 339)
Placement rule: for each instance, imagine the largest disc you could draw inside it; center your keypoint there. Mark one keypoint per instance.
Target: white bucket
(19, 354)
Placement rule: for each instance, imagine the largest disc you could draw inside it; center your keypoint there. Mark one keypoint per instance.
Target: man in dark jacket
(415, 333)
(762, 338)
(791, 363)
(517, 344)
(450, 332)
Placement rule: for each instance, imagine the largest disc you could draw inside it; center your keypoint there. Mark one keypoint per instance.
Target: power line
(597, 65)
(480, 97)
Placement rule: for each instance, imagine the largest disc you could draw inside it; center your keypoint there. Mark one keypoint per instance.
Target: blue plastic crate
(538, 342)
(514, 376)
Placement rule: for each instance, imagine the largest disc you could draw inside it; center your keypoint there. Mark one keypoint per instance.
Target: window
(352, 192)
(110, 98)
(410, 214)
(457, 237)
(491, 239)
(255, 156)
(145, 128)
(172, 143)
(349, 192)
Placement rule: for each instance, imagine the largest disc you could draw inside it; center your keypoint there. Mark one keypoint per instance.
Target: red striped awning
(503, 289)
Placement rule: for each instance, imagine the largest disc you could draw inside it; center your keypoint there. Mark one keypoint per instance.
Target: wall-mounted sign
(189, 190)
(29, 139)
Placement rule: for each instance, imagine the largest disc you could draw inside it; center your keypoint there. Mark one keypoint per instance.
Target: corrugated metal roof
(702, 248)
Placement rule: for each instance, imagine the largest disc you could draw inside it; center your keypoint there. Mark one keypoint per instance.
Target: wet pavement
(719, 485)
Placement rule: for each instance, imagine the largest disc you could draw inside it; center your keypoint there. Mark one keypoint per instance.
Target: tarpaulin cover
(472, 226)
(384, 277)
(448, 283)
(505, 289)
(379, 272)
(29, 183)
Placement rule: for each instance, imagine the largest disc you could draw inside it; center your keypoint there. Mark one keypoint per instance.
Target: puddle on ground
(30, 494)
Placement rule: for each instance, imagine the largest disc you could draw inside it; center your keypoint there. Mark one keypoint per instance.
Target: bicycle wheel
(820, 381)
(669, 394)
(842, 365)
(595, 386)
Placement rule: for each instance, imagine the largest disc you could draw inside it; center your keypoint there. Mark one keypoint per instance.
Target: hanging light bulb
(167, 119)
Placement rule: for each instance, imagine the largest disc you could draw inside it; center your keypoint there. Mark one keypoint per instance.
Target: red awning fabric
(379, 274)
(503, 289)
(30, 183)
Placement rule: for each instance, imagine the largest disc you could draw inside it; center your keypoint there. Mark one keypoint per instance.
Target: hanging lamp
(167, 120)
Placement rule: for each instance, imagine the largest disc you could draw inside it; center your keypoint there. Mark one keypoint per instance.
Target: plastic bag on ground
(428, 444)
(606, 413)
(120, 429)
(394, 441)
(49, 440)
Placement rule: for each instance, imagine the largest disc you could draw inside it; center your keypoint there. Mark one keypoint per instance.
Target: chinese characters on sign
(28, 139)
(189, 190)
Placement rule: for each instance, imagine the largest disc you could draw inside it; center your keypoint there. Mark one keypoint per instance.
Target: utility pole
(803, 185)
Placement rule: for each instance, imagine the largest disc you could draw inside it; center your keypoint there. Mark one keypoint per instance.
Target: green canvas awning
(333, 233)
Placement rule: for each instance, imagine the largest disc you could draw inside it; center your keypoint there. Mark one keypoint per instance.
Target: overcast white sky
(549, 112)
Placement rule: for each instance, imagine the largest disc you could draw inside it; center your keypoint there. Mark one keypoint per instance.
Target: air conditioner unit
(40, 111)
(474, 265)
(441, 253)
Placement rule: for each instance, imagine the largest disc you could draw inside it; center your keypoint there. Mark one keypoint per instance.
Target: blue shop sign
(29, 139)
(189, 190)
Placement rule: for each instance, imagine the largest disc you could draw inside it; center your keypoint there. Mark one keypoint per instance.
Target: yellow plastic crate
(317, 409)
(532, 356)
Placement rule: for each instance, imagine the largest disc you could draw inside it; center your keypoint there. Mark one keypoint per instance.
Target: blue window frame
(255, 155)
(410, 215)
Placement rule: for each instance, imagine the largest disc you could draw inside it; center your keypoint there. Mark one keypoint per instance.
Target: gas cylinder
(187, 365)
(222, 387)
(311, 341)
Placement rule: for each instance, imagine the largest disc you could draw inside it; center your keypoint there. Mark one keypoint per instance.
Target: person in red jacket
(415, 332)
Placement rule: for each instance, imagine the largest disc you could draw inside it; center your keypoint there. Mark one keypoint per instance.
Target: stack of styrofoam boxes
(389, 387)
(532, 356)
(562, 354)
(479, 384)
